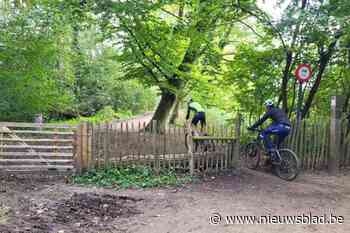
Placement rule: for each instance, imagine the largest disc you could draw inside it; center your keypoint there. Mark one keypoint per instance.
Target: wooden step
(35, 162)
(39, 154)
(36, 147)
(48, 157)
(36, 167)
(37, 125)
(36, 132)
(36, 140)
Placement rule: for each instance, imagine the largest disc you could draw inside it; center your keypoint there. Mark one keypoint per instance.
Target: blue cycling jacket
(277, 115)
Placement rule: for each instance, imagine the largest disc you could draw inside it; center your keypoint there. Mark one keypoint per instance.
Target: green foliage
(33, 64)
(254, 76)
(53, 62)
(97, 60)
(131, 96)
(131, 177)
(102, 85)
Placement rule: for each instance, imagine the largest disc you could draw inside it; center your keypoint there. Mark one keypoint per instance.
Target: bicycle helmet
(268, 103)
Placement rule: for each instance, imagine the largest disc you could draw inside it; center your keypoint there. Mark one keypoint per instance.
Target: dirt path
(53, 206)
(141, 119)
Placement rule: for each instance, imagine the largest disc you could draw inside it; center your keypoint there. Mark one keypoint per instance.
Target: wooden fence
(124, 143)
(28, 147)
(344, 159)
(311, 143)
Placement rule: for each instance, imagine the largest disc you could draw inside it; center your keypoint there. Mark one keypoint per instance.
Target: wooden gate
(29, 148)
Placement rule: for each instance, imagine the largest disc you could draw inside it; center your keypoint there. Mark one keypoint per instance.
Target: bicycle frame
(259, 140)
(282, 168)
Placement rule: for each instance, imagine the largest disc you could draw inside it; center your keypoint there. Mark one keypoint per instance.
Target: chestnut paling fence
(124, 144)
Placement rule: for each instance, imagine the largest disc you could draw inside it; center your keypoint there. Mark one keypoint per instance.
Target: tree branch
(250, 27)
(265, 20)
(143, 52)
(180, 18)
(324, 60)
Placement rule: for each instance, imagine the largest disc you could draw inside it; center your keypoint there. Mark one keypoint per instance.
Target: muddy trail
(51, 205)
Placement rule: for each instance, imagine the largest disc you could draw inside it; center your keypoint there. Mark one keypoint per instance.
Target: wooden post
(155, 134)
(84, 146)
(189, 149)
(236, 152)
(90, 162)
(77, 149)
(99, 147)
(1, 144)
(105, 145)
(335, 133)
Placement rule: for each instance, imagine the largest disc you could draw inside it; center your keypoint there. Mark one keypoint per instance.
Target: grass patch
(132, 177)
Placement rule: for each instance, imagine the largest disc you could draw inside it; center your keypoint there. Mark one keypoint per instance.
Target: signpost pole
(300, 103)
(303, 73)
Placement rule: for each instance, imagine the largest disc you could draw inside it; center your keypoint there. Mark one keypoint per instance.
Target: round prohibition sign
(303, 73)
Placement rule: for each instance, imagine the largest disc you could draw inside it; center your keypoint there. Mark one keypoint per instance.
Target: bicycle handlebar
(259, 130)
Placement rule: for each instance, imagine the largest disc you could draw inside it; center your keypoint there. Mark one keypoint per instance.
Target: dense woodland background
(103, 59)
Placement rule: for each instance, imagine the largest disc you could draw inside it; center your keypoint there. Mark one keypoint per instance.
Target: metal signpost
(303, 74)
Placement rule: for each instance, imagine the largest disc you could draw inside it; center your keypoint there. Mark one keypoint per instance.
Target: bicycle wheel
(289, 168)
(251, 155)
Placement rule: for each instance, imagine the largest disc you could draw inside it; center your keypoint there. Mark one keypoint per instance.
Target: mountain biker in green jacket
(199, 113)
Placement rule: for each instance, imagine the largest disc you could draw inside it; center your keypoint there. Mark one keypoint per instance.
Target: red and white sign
(303, 72)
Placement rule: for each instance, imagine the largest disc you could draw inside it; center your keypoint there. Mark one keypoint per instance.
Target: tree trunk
(347, 98)
(175, 113)
(289, 63)
(293, 99)
(324, 59)
(169, 98)
(164, 108)
(284, 86)
(77, 62)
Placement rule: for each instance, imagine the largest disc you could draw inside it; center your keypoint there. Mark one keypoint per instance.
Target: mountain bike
(287, 169)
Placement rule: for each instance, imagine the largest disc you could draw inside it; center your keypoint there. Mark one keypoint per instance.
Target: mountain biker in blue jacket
(199, 113)
(280, 127)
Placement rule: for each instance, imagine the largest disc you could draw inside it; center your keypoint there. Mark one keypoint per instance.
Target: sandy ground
(140, 119)
(51, 205)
